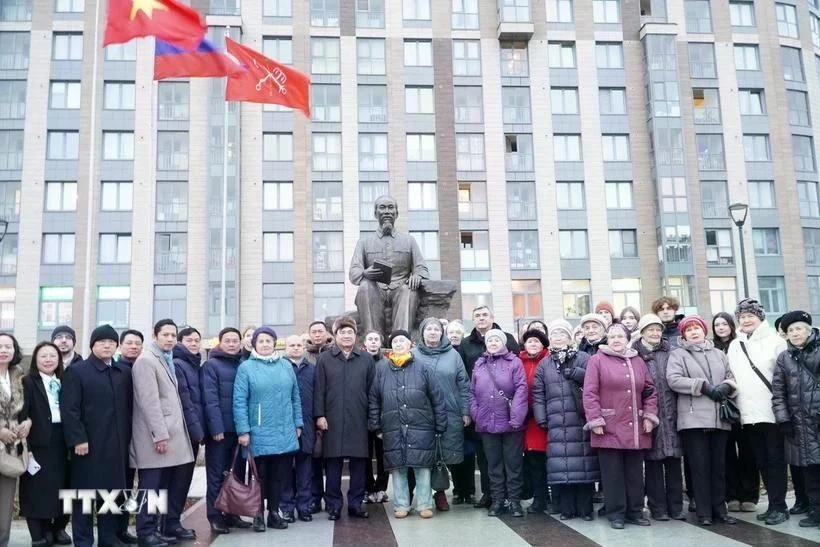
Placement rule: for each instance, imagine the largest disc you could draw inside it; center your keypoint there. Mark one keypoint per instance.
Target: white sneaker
(371, 498)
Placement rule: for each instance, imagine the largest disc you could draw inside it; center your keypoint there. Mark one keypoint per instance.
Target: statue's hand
(414, 281)
(372, 273)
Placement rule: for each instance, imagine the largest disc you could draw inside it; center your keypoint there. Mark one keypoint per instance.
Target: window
(428, 245)
(569, 195)
(761, 194)
(67, 46)
(14, 50)
(524, 250)
(669, 149)
(326, 103)
(58, 248)
(325, 56)
(119, 145)
(65, 95)
(10, 199)
(567, 147)
(416, 10)
(170, 301)
(706, 106)
(702, 60)
(807, 197)
(752, 102)
(121, 52)
(576, 297)
(328, 252)
(12, 99)
(469, 104)
(278, 48)
(327, 152)
(756, 147)
(278, 246)
(115, 248)
(710, 152)
(327, 201)
(465, 14)
(69, 6)
(772, 292)
(324, 13)
(368, 193)
(62, 145)
(609, 55)
(722, 294)
(766, 241)
(418, 53)
(472, 200)
(8, 255)
(698, 16)
(815, 29)
(475, 250)
(470, 152)
(623, 244)
(559, 11)
(119, 96)
(803, 153)
(606, 11)
(421, 196)
(112, 306)
(466, 58)
(573, 243)
(714, 199)
(615, 147)
(814, 293)
(372, 151)
(792, 64)
(276, 8)
(562, 54)
(419, 100)
(811, 244)
(514, 60)
(372, 104)
(786, 20)
(61, 196)
(11, 149)
(521, 201)
(172, 150)
(515, 104)
(742, 14)
(564, 100)
(798, 108)
(277, 196)
(612, 101)
(626, 292)
(678, 243)
(746, 57)
(370, 55)
(370, 13)
(421, 147)
(55, 306)
(526, 294)
(277, 147)
(328, 299)
(172, 200)
(514, 11)
(719, 248)
(518, 153)
(173, 99)
(666, 99)
(673, 194)
(118, 196)
(277, 303)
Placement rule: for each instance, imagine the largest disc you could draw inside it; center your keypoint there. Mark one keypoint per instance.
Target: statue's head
(386, 211)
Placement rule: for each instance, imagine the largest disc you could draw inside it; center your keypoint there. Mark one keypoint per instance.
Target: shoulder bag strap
(495, 384)
(754, 368)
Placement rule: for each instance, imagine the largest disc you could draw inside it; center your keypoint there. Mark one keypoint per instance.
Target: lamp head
(738, 211)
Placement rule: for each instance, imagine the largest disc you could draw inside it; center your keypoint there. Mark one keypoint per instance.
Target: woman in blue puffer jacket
(267, 412)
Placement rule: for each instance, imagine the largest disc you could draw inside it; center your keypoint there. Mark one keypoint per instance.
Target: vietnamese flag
(205, 61)
(168, 20)
(266, 81)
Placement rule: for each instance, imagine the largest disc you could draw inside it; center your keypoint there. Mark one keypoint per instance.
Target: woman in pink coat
(621, 407)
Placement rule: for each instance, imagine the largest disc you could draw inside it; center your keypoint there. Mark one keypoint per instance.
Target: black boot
(275, 521)
(258, 524)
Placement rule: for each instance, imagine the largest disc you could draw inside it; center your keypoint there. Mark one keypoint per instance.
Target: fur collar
(10, 407)
(627, 354)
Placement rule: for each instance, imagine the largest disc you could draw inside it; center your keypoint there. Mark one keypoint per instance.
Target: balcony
(711, 162)
(472, 210)
(173, 112)
(224, 7)
(173, 262)
(372, 114)
(15, 11)
(172, 211)
(514, 20)
(369, 19)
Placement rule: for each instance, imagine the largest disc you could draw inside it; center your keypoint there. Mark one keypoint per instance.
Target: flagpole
(223, 308)
(91, 166)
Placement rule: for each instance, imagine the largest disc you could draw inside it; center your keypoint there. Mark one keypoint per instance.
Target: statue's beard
(387, 227)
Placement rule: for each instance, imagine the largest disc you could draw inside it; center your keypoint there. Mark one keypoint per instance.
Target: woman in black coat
(39, 493)
(572, 464)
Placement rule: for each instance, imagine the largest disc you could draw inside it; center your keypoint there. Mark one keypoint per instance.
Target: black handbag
(440, 475)
(729, 412)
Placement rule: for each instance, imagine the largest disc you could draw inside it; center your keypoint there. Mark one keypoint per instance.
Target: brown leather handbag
(237, 497)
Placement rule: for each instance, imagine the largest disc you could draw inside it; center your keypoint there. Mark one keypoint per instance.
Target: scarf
(651, 347)
(564, 354)
(266, 359)
(400, 359)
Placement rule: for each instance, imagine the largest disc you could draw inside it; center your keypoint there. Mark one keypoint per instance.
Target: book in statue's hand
(386, 270)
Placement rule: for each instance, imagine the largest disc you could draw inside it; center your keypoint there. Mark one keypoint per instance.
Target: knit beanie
(690, 319)
(750, 305)
(604, 305)
(649, 319)
(793, 317)
(561, 325)
(397, 333)
(103, 332)
(64, 329)
(498, 333)
(594, 317)
(535, 333)
(343, 322)
(264, 329)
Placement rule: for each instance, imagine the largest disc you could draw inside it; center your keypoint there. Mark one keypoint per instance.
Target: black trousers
(664, 486)
(274, 472)
(39, 529)
(317, 481)
(122, 520)
(706, 451)
(297, 494)
(687, 479)
(811, 474)
(376, 449)
(505, 462)
(82, 527)
(158, 478)
(770, 454)
(742, 476)
(483, 471)
(355, 491)
(463, 475)
(575, 500)
(622, 479)
(799, 483)
(218, 456)
(178, 493)
(535, 475)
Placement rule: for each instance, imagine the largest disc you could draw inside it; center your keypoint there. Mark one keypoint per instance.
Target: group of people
(647, 407)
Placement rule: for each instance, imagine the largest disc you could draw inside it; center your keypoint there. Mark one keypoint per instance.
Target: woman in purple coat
(621, 406)
(498, 406)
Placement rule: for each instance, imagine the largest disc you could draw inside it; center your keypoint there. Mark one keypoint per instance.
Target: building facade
(546, 153)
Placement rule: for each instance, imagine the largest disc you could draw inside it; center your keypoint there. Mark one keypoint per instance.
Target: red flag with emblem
(168, 20)
(266, 81)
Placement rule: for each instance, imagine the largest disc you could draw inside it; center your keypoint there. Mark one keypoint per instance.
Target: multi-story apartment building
(546, 153)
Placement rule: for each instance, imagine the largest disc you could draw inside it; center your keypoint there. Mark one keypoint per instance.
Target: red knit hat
(604, 305)
(688, 320)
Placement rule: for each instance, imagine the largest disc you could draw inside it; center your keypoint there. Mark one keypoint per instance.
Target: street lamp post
(738, 211)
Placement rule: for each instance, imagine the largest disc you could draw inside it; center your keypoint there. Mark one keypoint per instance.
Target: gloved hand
(567, 372)
(723, 391)
(709, 391)
(786, 428)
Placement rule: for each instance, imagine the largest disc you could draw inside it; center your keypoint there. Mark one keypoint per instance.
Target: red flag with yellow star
(169, 20)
